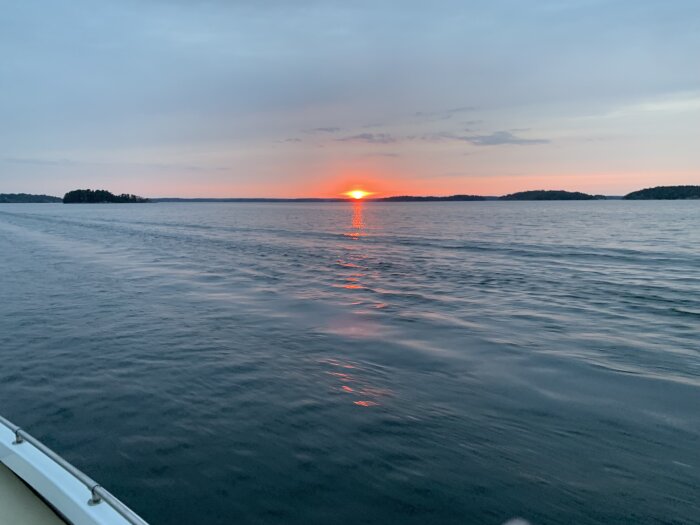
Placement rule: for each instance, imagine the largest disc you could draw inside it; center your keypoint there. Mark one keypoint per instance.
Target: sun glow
(357, 194)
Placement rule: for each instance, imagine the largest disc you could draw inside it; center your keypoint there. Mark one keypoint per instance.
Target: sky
(273, 98)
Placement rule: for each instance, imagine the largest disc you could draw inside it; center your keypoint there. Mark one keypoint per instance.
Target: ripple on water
(324, 363)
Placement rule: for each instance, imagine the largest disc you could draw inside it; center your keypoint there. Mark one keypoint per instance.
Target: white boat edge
(75, 496)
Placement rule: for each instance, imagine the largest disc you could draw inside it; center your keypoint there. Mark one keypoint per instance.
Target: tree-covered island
(26, 198)
(411, 198)
(550, 195)
(104, 196)
(666, 193)
(99, 196)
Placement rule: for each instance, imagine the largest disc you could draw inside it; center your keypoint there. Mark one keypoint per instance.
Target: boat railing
(97, 492)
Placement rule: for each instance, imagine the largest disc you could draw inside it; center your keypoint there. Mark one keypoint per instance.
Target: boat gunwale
(98, 492)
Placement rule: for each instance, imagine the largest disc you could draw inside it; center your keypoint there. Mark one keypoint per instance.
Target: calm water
(451, 363)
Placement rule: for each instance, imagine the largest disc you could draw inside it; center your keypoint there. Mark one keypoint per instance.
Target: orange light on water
(357, 194)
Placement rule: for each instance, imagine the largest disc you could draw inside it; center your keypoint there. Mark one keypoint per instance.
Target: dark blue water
(450, 363)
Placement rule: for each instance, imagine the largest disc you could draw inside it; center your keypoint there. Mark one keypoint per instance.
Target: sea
(362, 363)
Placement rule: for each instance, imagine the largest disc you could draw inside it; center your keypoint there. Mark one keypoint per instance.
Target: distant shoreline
(79, 197)
(321, 201)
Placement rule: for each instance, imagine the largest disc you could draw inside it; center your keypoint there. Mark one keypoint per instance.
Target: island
(399, 198)
(411, 198)
(550, 195)
(665, 193)
(99, 196)
(244, 199)
(24, 198)
(104, 196)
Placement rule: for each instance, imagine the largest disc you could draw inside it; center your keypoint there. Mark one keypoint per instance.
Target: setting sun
(357, 194)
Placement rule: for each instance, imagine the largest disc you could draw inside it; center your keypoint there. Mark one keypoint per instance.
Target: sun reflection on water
(357, 221)
(361, 393)
(357, 224)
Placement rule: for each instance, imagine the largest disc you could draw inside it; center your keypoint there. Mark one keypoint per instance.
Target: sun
(357, 194)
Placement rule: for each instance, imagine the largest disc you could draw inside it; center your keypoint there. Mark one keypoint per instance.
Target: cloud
(674, 103)
(444, 114)
(62, 162)
(499, 138)
(370, 138)
(291, 139)
(388, 154)
(41, 162)
(327, 129)
(438, 136)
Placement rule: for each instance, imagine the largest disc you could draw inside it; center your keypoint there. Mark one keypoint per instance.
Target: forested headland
(550, 195)
(104, 196)
(99, 196)
(411, 198)
(666, 193)
(23, 198)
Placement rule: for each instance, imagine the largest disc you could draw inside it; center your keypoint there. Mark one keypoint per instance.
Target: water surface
(412, 363)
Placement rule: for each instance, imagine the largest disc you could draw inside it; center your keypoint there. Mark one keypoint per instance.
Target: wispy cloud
(382, 154)
(41, 162)
(64, 162)
(444, 114)
(438, 136)
(327, 129)
(370, 138)
(499, 138)
(673, 103)
(423, 117)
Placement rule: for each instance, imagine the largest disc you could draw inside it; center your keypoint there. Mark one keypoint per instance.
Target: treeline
(410, 198)
(10, 198)
(550, 195)
(99, 196)
(666, 193)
